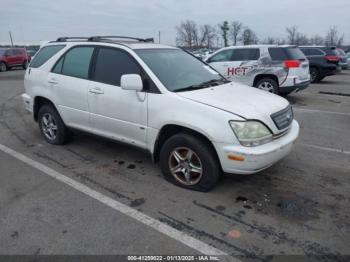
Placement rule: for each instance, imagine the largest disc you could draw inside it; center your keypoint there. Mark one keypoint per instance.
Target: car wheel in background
(3, 67)
(189, 162)
(314, 75)
(267, 84)
(51, 126)
(25, 65)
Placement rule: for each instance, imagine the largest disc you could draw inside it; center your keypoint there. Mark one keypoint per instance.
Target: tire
(203, 157)
(268, 84)
(60, 133)
(25, 65)
(314, 75)
(3, 67)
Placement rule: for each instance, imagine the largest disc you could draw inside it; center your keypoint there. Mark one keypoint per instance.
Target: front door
(114, 112)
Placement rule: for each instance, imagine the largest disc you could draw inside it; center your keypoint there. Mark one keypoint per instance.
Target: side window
(76, 62)
(315, 51)
(9, 52)
(305, 51)
(222, 56)
(277, 53)
(111, 64)
(247, 54)
(45, 54)
(17, 52)
(58, 67)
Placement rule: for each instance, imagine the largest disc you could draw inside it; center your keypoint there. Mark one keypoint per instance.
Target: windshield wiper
(205, 84)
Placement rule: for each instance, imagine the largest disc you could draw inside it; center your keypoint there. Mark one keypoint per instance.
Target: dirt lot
(299, 206)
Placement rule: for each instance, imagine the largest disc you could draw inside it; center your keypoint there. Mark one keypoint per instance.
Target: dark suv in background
(323, 60)
(13, 57)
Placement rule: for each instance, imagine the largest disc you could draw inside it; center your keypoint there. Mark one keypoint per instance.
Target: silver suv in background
(276, 69)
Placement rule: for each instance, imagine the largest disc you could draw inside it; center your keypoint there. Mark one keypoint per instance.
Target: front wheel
(267, 84)
(189, 162)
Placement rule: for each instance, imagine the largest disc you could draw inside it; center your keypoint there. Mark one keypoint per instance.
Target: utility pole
(11, 38)
(159, 37)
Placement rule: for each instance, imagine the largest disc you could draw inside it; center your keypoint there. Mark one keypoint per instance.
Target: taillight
(292, 63)
(332, 58)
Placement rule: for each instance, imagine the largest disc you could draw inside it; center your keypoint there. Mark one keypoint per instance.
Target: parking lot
(299, 206)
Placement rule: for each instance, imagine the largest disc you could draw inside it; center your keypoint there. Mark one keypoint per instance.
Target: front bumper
(256, 158)
(28, 102)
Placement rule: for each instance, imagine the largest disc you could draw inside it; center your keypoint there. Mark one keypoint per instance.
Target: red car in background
(13, 57)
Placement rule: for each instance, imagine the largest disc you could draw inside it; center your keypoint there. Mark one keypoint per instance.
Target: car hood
(244, 101)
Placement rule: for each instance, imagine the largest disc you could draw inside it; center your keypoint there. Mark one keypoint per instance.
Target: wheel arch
(262, 76)
(170, 130)
(40, 101)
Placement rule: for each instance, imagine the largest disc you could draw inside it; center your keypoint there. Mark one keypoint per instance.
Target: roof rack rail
(65, 38)
(101, 38)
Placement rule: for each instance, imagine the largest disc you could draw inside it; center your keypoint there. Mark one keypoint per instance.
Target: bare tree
(236, 28)
(187, 34)
(316, 40)
(224, 29)
(301, 39)
(292, 33)
(333, 38)
(270, 41)
(207, 35)
(249, 37)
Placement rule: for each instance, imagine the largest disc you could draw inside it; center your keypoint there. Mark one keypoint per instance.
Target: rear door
(69, 82)
(10, 57)
(243, 64)
(18, 57)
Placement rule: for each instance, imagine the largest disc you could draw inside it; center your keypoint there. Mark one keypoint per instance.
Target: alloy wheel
(185, 166)
(49, 126)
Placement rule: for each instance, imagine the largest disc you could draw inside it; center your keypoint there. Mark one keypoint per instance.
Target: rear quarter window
(282, 53)
(45, 54)
(330, 50)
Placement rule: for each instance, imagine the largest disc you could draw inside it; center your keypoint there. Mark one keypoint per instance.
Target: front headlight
(251, 133)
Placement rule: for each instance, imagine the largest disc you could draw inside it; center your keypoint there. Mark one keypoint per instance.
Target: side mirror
(131, 82)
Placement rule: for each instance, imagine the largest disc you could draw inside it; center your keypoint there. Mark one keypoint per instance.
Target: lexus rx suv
(192, 120)
(273, 68)
(324, 61)
(13, 57)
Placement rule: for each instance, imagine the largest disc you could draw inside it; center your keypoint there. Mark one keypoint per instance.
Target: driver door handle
(96, 90)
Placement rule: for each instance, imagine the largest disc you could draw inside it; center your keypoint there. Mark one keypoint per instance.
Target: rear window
(282, 53)
(45, 54)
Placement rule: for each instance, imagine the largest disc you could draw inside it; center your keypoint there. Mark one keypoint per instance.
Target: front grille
(283, 118)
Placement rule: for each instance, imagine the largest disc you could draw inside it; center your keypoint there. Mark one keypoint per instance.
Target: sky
(32, 21)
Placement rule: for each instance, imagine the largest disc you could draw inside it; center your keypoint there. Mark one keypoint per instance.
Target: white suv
(273, 68)
(192, 120)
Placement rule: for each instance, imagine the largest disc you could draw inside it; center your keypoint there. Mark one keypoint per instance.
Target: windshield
(2, 51)
(178, 70)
